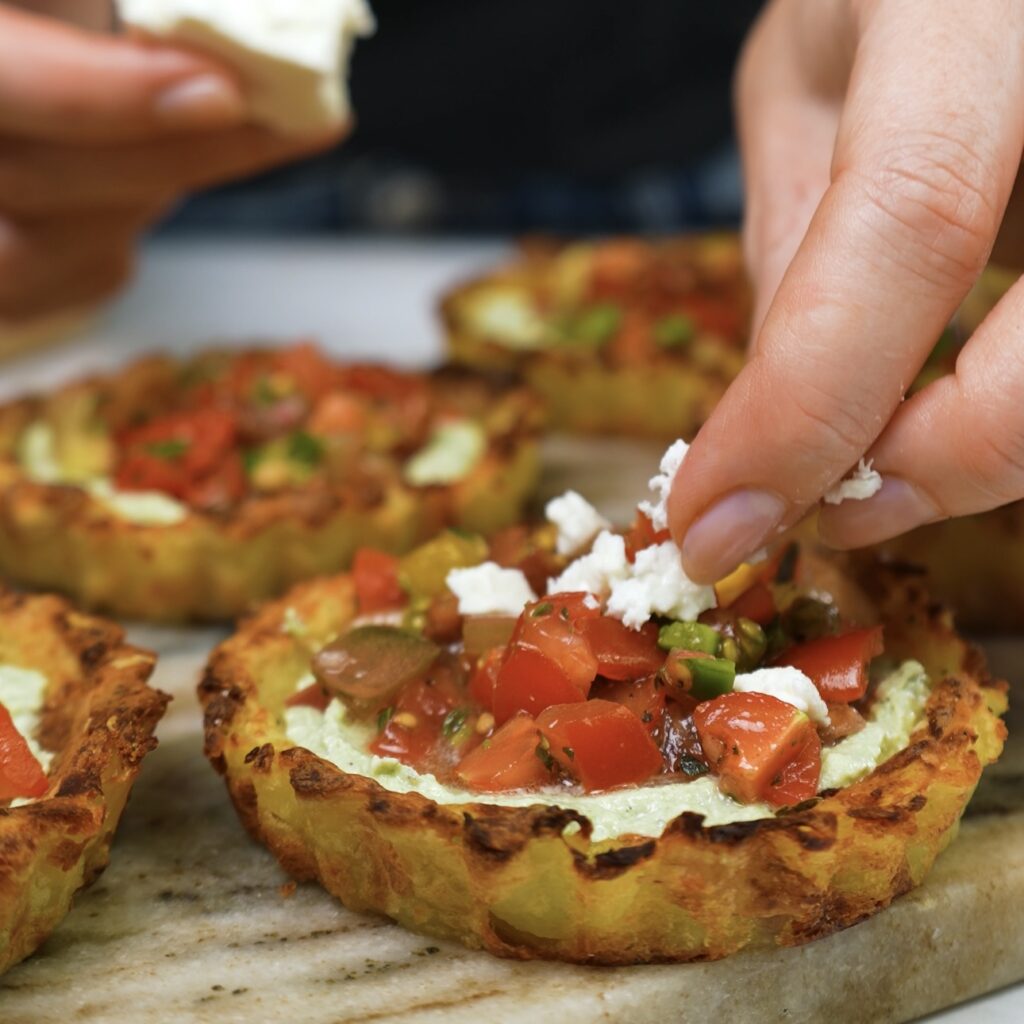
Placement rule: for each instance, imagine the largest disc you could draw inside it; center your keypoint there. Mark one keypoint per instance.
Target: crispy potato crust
(666, 396)
(98, 718)
(517, 883)
(218, 566)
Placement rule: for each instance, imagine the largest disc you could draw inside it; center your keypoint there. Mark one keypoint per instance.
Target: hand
(98, 137)
(881, 141)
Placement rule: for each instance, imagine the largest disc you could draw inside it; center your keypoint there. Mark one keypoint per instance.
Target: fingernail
(205, 101)
(736, 526)
(899, 506)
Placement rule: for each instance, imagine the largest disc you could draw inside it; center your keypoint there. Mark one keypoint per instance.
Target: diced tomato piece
(381, 382)
(643, 535)
(600, 743)
(338, 413)
(837, 665)
(508, 760)
(757, 603)
(414, 727)
(375, 575)
(552, 627)
(514, 548)
(308, 367)
(714, 315)
(644, 697)
(621, 652)
(220, 487)
(530, 681)
(485, 678)
(312, 696)
(21, 775)
(176, 452)
(798, 779)
(749, 738)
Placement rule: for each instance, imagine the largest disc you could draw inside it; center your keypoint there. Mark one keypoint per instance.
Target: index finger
(62, 83)
(922, 171)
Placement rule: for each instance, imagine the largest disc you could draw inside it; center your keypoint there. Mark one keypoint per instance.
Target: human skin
(881, 142)
(99, 136)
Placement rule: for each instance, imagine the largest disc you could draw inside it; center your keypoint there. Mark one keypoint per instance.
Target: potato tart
(184, 489)
(76, 720)
(555, 745)
(621, 336)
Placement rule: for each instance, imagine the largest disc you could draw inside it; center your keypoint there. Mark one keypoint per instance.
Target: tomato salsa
(557, 692)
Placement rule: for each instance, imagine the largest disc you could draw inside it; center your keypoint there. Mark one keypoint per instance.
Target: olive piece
(371, 663)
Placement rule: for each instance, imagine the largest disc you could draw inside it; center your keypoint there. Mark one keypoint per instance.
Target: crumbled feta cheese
(787, 684)
(591, 602)
(661, 485)
(292, 56)
(577, 520)
(657, 585)
(488, 589)
(449, 456)
(862, 483)
(596, 571)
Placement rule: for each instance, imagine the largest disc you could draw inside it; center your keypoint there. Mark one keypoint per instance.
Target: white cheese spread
(23, 692)
(637, 810)
(292, 55)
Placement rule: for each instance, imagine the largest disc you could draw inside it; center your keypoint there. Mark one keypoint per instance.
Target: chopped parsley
(170, 450)
(454, 722)
(305, 449)
(384, 716)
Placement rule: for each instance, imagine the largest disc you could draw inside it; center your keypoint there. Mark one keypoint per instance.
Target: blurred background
(490, 117)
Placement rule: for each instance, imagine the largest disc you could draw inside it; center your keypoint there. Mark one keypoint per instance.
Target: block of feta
(292, 55)
(863, 483)
(488, 589)
(577, 520)
(789, 685)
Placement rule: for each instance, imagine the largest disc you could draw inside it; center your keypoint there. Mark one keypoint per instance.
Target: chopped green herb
(690, 636)
(542, 609)
(384, 716)
(305, 448)
(674, 331)
(454, 722)
(544, 754)
(595, 326)
(251, 458)
(264, 392)
(564, 613)
(169, 450)
(692, 767)
(569, 753)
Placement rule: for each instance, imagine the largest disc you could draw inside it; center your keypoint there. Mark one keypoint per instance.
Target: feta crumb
(787, 684)
(596, 571)
(661, 485)
(577, 520)
(488, 589)
(657, 585)
(591, 602)
(862, 483)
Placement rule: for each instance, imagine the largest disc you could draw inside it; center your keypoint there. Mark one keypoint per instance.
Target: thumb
(62, 83)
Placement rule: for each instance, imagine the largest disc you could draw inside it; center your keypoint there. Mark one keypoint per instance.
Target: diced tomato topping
(375, 575)
(837, 665)
(338, 413)
(514, 548)
(312, 696)
(308, 368)
(530, 681)
(798, 778)
(413, 728)
(643, 535)
(600, 743)
(750, 738)
(757, 604)
(508, 760)
(485, 678)
(621, 652)
(381, 382)
(644, 697)
(21, 775)
(715, 315)
(186, 455)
